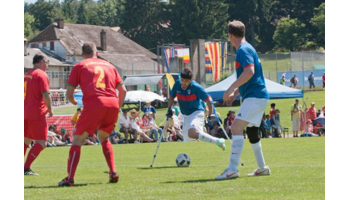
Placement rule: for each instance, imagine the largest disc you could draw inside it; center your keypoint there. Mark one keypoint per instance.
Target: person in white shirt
(125, 126)
(134, 120)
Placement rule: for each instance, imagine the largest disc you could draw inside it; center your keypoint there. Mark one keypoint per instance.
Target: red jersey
(36, 83)
(98, 80)
(311, 113)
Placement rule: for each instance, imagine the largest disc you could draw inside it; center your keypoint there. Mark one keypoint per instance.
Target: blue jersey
(189, 99)
(246, 56)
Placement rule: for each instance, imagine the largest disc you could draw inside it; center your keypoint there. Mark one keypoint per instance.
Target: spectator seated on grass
(52, 139)
(277, 124)
(135, 127)
(116, 138)
(267, 125)
(214, 129)
(156, 132)
(309, 126)
(125, 126)
(177, 126)
(319, 129)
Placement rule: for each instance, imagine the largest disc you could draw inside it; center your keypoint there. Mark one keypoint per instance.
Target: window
(52, 46)
(44, 44)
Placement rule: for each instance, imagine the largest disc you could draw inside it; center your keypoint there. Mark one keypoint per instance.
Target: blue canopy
(275, 90)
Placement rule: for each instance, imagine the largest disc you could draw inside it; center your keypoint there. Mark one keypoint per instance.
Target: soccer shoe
(227, 174)
(30, 172)
(66, 182)
(113, 177)
(221, 143)
(260, 172)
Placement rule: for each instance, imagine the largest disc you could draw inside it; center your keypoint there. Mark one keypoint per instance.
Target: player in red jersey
(37, 103)
(98, 80)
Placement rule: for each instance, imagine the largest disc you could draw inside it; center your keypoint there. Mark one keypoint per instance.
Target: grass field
(297, 172)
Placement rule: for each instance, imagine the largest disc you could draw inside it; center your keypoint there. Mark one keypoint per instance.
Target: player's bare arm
(210, 105)
(70, 94)
(47, 100)
(122, 93)
(171, 101)
(247, 74)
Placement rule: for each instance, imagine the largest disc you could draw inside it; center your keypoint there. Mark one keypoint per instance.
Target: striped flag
(208, 67)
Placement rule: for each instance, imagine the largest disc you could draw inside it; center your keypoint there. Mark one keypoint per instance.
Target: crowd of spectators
(139, 127)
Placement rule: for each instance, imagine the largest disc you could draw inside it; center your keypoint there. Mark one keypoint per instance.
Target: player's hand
(231, 98)
(75, 102)
(49, 111)
(169, 113)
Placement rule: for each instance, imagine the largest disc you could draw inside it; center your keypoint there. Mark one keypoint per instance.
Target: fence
(277, 64)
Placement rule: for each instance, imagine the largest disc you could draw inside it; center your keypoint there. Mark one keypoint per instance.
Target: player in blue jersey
(250, 84)
(189, 93)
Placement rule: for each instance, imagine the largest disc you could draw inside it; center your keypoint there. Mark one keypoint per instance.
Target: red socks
(73, 160)
(32, 155)
(25, 149)
(108, 152)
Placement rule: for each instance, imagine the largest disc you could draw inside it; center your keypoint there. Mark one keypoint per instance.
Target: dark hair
(79, 109)
(38, 58)
(273, 105)
(236, 28)
(89, 48)
(186, 73)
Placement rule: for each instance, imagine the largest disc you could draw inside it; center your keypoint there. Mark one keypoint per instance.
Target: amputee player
(250, 84)
(37, 103)
(98, 81)
(189, 93)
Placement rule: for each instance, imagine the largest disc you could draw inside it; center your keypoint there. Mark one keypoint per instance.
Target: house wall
(58, 48)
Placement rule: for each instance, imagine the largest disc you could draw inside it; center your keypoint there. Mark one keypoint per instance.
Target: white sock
(207, 138)
(259, 157)
(236, 151)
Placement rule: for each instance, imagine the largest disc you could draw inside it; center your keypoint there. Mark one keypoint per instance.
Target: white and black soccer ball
(183, 160)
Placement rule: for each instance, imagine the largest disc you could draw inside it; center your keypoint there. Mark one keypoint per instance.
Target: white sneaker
(227, 174)
(260, 172)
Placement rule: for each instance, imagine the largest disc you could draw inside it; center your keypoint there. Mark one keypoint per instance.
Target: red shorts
(35, 129)
(97, 118)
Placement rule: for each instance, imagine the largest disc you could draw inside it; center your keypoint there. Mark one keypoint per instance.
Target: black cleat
(113, 177)
(66, 182)
(30, 172)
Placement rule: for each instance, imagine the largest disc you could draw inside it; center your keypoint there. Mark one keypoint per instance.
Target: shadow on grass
(196, 181)
(52, 186)
(164, 167)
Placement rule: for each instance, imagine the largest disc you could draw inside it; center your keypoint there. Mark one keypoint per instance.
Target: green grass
(297, 166)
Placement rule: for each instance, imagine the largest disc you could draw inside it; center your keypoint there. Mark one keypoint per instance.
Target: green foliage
(290, 34)
(224, 76)
(152, 22)
(108, 12)
(318, 21)
(28, 25)
(45, 12)
(69, 10)
(146, 22)
(193, 19)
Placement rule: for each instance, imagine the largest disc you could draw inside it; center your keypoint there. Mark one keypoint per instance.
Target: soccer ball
(183, 160)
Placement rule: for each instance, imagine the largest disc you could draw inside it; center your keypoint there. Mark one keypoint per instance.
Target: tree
(69, 9)
(29, 31)
(194, 19)
(45, 12)
(108, 12)
(318, 21)
(255, 14)
(146, 22)
(290, 34)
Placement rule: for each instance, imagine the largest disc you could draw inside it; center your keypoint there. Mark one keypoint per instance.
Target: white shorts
(252, 111)
(195, 120)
